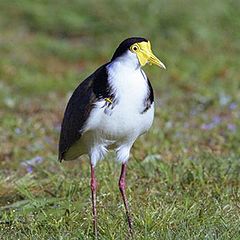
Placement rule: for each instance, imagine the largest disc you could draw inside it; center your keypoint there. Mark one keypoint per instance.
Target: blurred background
(48, 47)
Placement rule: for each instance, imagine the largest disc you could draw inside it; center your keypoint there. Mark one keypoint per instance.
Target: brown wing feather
(76, 113)
(78, 109)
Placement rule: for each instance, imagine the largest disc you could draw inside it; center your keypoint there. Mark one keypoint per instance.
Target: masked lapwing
(110, 109)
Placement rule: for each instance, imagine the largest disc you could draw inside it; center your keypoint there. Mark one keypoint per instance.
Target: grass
(183, 177)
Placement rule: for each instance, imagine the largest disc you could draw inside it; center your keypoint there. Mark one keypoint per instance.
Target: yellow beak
(145, 55)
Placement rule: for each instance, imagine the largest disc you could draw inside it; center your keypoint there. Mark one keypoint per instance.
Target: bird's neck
(127, 61)
(126, 80)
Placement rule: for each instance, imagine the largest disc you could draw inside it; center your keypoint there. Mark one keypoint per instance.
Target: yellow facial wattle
(145, 54)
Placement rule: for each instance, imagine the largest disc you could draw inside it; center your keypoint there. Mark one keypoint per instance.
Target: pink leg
(122, 186)
(94, 210)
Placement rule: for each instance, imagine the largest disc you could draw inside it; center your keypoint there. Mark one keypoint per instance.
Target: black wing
(149, 98)
(78, 109)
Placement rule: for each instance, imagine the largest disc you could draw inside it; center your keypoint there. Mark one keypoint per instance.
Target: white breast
(126, 121)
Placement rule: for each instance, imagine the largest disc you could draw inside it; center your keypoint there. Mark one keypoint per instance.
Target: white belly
(123, 123)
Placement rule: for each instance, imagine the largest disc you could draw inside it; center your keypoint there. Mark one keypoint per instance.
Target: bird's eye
(134, 48)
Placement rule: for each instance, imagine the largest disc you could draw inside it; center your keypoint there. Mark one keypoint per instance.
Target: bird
(109, 110)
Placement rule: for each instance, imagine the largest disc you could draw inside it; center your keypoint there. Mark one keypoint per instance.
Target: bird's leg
(122, 186)
(94, 209)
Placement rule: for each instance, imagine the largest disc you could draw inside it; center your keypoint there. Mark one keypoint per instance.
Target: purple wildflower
(29, 164)
(18, 131)
(207, 126)
(231, 127)
(216, 120)
(29, 169)
(233, 106)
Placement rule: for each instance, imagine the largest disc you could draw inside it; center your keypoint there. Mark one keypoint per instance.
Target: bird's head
(136, 51)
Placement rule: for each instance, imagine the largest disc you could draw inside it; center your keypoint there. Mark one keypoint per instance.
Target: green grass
(183, 177)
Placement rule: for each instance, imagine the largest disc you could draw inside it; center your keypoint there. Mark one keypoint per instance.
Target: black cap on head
(126, 44)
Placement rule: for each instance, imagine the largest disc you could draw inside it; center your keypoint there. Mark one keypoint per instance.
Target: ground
(183, 177)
